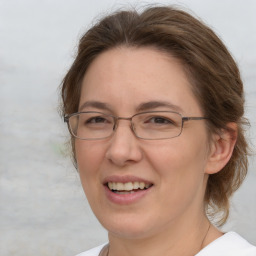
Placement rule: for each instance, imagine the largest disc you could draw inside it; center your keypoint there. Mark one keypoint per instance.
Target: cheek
(177, 154)
(180, 164)
(88, 153)
(89, 157)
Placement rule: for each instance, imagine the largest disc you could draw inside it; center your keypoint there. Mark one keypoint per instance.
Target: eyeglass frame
(117, 118)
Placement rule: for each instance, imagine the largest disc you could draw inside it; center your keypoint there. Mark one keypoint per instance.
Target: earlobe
(222, 146)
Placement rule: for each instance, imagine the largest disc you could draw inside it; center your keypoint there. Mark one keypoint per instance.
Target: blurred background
(43, 210)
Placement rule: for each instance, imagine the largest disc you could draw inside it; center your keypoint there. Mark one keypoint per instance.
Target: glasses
(151, 125)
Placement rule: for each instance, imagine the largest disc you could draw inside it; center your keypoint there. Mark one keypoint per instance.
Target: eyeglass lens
(148, 125)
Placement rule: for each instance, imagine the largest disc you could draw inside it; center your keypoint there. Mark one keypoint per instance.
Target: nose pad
(123, 146)
(114, 126)
(132, 127)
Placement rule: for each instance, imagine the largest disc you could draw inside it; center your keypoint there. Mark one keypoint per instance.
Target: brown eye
(97, 119)
(160, 120)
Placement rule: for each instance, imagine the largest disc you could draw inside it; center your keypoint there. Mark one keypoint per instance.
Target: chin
(128, 228)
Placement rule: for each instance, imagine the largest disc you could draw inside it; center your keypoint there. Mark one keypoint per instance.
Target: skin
(178, 168)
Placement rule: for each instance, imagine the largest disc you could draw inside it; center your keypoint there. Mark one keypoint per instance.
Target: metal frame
(116, 118)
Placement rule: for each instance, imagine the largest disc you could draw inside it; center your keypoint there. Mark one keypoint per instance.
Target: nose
(124, 145)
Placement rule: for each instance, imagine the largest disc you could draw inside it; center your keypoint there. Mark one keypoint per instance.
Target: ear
(221, 149)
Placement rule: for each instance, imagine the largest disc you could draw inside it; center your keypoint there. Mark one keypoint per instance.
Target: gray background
(42, 207)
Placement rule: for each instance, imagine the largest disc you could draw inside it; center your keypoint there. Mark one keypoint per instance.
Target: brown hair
(211, 69)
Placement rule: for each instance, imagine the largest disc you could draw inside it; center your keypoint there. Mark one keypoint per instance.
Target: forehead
(126, 77)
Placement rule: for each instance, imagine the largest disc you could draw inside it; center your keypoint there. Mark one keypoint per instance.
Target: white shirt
(230, 244)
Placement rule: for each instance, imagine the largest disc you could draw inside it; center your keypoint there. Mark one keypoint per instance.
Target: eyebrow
(157, 104)
(145, 106)
(95, 104)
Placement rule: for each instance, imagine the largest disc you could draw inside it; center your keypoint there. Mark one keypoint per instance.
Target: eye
(96, 120)
(160, 120)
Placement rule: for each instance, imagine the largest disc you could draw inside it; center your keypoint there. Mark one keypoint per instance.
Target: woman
(154, 104)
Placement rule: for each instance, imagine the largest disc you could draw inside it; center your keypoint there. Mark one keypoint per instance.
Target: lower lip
(128, 198)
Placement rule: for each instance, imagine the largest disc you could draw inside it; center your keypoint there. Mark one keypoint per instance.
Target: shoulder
(92, 252)
(230, 244)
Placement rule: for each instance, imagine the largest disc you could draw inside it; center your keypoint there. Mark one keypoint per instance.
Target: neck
(179, 239)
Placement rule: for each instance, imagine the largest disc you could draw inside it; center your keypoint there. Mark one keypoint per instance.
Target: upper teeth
(127, 186)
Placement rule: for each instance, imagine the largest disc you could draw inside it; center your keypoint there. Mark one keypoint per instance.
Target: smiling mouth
(128, 187)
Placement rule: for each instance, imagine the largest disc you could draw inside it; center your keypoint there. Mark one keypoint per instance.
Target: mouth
(128, 187)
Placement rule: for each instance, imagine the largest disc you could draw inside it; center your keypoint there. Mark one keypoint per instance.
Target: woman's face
(121, 82)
